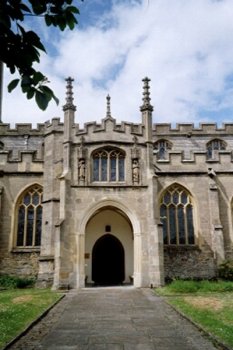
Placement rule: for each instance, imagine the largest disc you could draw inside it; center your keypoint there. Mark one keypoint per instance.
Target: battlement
(21, 129)
(109, 124)
(188, 129)
(198, 161)
(55, 125)
(26, 161)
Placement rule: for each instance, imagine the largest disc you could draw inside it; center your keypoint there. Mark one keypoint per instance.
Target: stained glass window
(108, 165)
(29, 218)
(176, 212)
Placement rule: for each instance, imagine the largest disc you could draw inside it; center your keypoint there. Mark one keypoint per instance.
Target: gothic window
(214, 146)
(162, 146)
(29, 218)
(176, 214)
(1, 146)
(108, 165)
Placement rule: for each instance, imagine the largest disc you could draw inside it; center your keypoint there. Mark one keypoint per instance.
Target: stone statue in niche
(82, 170)
(135, 167)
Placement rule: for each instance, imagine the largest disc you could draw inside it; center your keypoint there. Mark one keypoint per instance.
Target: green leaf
(48, 20)
(20, 28)
(13, 85)
(61, 22)
(34, 40)
(42, 100)
(70, 20)
(30, 93)
(50, 94)
(55, 99)
(72, 9)
(38, 77)
(25, 8)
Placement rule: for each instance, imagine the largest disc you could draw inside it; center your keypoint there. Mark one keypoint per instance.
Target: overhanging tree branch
(21, 48)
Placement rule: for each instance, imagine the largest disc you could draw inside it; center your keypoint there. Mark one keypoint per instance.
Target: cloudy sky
(184, 46)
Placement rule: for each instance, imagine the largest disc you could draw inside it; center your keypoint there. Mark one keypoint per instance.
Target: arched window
(108, 165)
(29, 218)
(176, 214)
(1, 146)
(162, 146)
(214, 146)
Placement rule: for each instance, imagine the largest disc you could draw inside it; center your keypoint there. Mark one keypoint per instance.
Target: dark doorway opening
(108, 261)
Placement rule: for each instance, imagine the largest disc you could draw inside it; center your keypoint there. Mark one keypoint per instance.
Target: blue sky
(184, 47)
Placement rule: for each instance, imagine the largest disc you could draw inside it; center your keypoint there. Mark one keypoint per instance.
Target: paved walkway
(113, 319)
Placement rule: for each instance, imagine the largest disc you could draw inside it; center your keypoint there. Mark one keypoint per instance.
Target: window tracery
(29, 218)
(214, 146)
(162, 147)
(176, 214)
(108, 165)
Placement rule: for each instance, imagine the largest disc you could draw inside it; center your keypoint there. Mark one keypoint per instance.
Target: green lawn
(209, 304)
(19, 307)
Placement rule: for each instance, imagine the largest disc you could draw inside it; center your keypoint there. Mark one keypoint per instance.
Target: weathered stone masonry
(164, 194)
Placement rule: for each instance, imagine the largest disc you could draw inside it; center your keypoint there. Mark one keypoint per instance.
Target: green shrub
(225, 270)
(11, 282)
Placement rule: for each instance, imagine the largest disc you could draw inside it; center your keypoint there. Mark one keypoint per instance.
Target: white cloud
(185, 47)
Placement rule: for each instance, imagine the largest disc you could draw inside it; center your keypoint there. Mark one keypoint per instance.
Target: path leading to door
(113, 319)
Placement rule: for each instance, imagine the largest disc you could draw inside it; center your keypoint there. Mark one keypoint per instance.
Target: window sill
(180, 247)
(107, 183)
(26, 250)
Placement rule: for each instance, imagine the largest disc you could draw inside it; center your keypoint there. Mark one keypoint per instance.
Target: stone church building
(112, 204)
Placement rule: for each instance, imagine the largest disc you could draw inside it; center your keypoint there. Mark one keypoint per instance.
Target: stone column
(155, 256)
(80, 262)
(137, 276)
(62, 268)
(217, 229)
(50, 212)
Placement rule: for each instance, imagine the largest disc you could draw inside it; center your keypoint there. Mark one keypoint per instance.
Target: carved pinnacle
(69, 95)
(146, 96)
(108, 112)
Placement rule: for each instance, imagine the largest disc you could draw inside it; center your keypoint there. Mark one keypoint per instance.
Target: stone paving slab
(113, 319)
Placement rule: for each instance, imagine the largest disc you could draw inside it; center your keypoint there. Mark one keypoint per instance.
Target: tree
(21, 48)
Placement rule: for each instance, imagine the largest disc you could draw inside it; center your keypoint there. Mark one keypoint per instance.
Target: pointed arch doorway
(109, 248)
(108, 261)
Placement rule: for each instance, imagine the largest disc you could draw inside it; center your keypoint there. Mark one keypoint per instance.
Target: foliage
(21, 48)
(18, 308)
(208, 303)
(11, 282)
(225, 270)
(185, 287)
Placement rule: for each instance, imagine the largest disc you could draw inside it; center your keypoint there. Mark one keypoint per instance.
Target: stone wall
(188, 262)
(20, 264)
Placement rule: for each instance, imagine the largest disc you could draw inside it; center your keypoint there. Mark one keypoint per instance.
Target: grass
(209, 304)
(18, 308)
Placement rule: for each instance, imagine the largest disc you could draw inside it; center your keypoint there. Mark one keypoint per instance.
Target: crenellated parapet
(110, 130)
(53, 126)
(21, 129)
(27, 161)
(190, 130)
(21, 145)
(176, 161)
